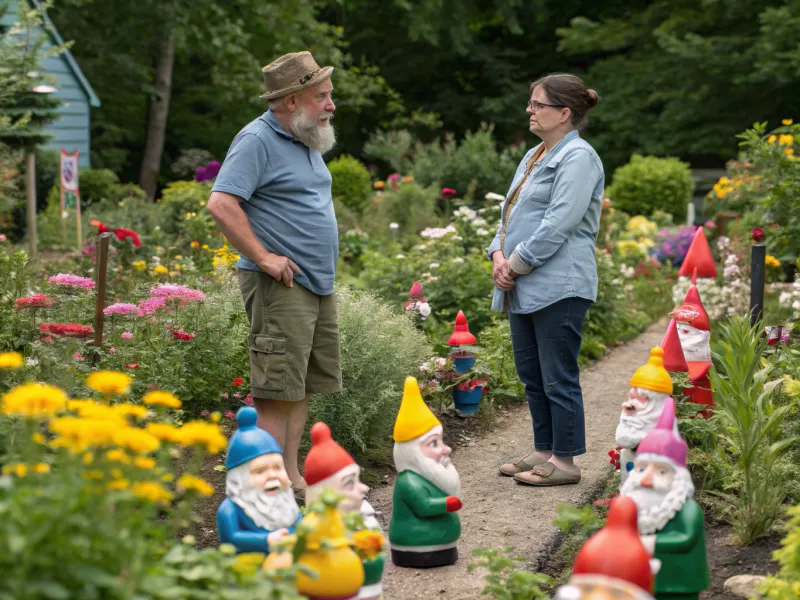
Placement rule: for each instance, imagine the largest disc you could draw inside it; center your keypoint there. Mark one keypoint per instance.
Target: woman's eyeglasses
(535, 106)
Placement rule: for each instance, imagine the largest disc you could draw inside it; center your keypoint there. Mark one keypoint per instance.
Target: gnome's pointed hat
(414, 418)
(416, 292)
(616, 550)
(664, 440)
(653, 376)
(699, 258)
(249, 441)
(674, 361)
(326, 457)
(461, 334)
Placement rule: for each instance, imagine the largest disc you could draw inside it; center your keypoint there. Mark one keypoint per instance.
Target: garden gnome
(329, 466)
(613, 563)
(260, 507)
(699, 261)
(650, 387)
(694, 332)
(670, 521)
(424, 529)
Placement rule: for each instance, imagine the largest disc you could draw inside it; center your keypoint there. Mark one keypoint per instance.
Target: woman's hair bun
(592, 98)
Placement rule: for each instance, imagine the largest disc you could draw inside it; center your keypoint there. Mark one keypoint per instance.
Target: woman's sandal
(522, 464)
(547, 474)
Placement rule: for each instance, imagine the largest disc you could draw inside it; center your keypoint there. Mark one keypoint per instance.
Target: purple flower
(210, 171)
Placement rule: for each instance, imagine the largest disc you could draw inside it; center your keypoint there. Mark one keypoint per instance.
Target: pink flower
(3, 238)
(205, 413)
(126, 335)
(180, 292)
(248, 400)
(229, 415)
(448, 193)
(237, 395)
(151, 305)
(120, 308)
(77, 356)
(69, 280)
(112, 350)
(181, 335)
(224, 395)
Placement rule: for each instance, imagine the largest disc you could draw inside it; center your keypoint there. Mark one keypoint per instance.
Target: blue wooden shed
(72, 129)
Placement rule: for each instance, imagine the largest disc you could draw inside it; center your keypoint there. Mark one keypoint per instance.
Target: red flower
(758, 235)
(67, 329)
(238, 381)
(101, 227)
(124, 234)
(132, 366)
(47, 339)
(179, 334)
(614, 454)
(448, 193)
(35, 301)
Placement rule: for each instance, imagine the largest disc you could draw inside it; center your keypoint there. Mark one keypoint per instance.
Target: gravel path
(497, 511)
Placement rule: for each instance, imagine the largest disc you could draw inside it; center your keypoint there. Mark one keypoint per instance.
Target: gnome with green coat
(670, 521)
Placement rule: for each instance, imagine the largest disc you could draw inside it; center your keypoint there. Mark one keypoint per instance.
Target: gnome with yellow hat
(424, 529)
(651, 385)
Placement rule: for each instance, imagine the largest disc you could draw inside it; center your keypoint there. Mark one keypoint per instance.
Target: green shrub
(96, 185)
(649, 184)
(785, 585)
(391, 148)
(184, 205)
(352, 185)
(380, 348)
(47, 173)
(411, 206)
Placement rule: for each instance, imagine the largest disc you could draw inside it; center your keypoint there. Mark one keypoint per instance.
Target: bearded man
(423, 529)
(650, 387)
(670, 521)
(272, 201)
(260, 507)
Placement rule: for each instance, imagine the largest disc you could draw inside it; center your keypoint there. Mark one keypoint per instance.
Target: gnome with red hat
(613, 564)
(329, 466)
(670, 521)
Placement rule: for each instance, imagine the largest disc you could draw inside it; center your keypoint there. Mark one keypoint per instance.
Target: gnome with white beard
(260, 507)
(423, 529)
(651, 385)
(670, 521)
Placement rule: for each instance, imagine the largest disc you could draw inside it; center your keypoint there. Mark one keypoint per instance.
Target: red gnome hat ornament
(326, 457)
(674, 361)
(698, 258)
(461, 335)
(616, 551)
(416, 293)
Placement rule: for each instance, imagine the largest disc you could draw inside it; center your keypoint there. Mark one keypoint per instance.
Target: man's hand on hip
(280, 268)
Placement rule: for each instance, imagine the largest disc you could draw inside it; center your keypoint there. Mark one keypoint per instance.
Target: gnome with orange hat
(612, 564)
(651, 385)
(670, 521)
(329, 466)
(423, 529)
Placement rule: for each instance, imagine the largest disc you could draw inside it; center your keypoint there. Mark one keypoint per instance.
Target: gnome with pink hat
(670, 521)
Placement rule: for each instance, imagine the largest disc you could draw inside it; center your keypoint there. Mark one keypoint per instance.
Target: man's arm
(232, 221)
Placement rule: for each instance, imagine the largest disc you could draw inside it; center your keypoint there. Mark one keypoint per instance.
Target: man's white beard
(309, 131)
(695, 343)
(267, 512)
(657, 508)
(409, 457)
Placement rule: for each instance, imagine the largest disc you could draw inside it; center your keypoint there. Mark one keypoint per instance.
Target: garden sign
(70, 193)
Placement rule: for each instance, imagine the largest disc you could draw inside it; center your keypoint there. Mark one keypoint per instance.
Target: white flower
(479, 221)
(393, 225)
(796, 305)
(458, 259)
(64, 214)
(732, 270)
(31, 362)
(432, 278)
(731, 259)
(426, 275)
(482, 231)
(433, 266)
(493, 196)
(158, 227)
(785, 297)
(424, 309)
(421, 246)
(440, 362)
(400, 256)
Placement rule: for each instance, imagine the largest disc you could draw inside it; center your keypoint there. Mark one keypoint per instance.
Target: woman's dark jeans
(546, 346)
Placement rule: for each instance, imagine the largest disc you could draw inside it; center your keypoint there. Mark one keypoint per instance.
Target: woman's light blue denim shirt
(553, 227)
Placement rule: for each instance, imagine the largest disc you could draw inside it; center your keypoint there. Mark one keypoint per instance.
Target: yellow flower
(152, 492)
(41, 468)
(178, 257)
(136, 440)
(94, 474)
(18, 469)
(159, 248)
(368, 542)
(408, 179)
(167, 477)
(771, 261)
(10, 360)
(38, 438)
(379, 185)
(78, 434)
(116, 473)
(109, 382)
(216, 416)
(161, 270)
(143, 462)
(33, 401)
(140, 265)
(159, 398)
(130, 410)
(88, 458)
(771, 139)
(118, 484)
(789, 152)
(204, 247)
(190, 482)
(787, 122)
(199, 433)
(195, 244)
(163, 431)
(785, 140)
(119, 456)
(89, 409)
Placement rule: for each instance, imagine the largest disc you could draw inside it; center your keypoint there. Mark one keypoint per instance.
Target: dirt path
(497, 511)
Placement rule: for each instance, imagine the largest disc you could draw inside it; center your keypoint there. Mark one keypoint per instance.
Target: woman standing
(545, 273)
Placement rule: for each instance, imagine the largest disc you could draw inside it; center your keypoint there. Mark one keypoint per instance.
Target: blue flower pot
(467, 402)
(464, 363)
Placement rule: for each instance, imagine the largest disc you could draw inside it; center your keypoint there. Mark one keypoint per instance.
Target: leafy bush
(14, 281)
(411, 206)
(96, 185)
(184, 166)
(506, 582)
(393, 148)
(184, 210)
(648, 184)
(351, 184)
(12, 193)
(785, 585)
(47, 173)
(379, 349)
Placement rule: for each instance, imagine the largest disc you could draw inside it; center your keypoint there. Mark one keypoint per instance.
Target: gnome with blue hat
(260, 507)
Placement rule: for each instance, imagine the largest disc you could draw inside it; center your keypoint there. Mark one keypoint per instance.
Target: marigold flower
(130, 410)
(33, 401)
(161, 270)
(35, 301)
(78, 434)
(199, 433)
(152, 492)
(160, 398)
(38, 438)
(771, 261)
(771, 139)
(785, 139)
(41, 468)
(136, 440)
(109, 382)
(18, 469)
(789, 152)
(368, 542)
(140, 265)
(787, 122)
(191, 483)
(164, 432)
(11, 360)
(118, 485)
(143, 462)
(119, 456)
